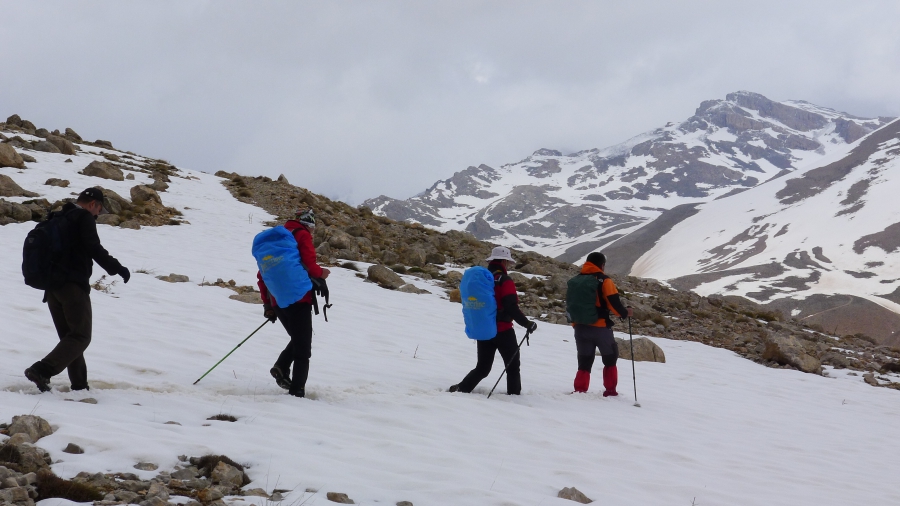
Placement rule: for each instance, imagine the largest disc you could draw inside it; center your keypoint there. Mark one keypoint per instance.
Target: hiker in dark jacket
(505, 342)
(297, 317)
(599, 335)
(70, 304)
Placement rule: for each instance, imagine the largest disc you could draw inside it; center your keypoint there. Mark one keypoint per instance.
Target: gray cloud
(356, 99)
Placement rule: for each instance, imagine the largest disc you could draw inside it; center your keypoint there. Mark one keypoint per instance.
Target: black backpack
(45, 252)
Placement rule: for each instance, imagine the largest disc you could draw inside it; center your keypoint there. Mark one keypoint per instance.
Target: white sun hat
(500, 253)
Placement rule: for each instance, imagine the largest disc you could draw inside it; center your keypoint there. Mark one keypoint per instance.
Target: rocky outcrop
(573, 494)
(789, 350)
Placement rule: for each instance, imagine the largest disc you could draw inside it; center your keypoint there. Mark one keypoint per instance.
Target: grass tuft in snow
(223, 418)
(50, 486)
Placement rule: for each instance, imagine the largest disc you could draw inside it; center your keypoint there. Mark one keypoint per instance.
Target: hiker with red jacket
(297, 317)
(505, 342)
(599, 334)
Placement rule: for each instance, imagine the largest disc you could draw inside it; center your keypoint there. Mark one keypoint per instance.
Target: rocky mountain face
(821, 245)
(568, 205)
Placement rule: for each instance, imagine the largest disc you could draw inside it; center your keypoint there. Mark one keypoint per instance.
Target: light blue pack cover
(278, 259)
(479, 305)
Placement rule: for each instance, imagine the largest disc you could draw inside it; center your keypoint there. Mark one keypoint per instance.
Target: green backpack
(581, 299)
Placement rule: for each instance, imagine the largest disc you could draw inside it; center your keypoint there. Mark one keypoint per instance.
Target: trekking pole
(633, 376)
(232, 351)
(511, 359)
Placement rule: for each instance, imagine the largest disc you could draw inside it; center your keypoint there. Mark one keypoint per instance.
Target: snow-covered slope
(812, 243)
(714, 428)
(568, 205)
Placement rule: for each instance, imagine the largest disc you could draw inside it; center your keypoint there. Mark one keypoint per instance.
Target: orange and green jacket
(607, 295)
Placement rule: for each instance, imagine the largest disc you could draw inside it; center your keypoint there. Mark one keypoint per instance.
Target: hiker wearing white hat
(500, 253)
(505, 340)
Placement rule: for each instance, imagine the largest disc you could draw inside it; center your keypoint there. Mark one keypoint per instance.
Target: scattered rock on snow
(255, 492)
(224, 474)
(248, 298)
(411, 288)
(104, 170)
(46, 147)
(146, 466)
(73, 449)
(339, 498)
(645, 350)
(9, 188)
(65, 146)
(143, 193)
(174, 278)
(9, 157)
(385, 277)
(404, 503)
(788, 350)
(89, 400)
(573, 494)
(62, 183)
(35, 426)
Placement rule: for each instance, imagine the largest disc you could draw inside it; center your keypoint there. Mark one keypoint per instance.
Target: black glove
(269, 313)
(125, 273)
(532, 327)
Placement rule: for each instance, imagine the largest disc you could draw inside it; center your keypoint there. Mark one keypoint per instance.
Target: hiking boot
(453, 388)
(41, 381)
(297, 392)
(81, 387)
(281, 378)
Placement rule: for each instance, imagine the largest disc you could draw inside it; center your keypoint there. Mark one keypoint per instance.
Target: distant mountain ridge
(567, 205)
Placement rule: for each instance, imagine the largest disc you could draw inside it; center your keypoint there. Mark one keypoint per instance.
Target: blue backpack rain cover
(479, 306)
(278, 259)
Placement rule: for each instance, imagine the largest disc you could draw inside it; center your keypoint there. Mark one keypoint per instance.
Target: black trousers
(297, 321)
(70, 308)
(505, 342)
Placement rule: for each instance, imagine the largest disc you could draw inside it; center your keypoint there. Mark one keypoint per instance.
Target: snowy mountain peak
(567, 205)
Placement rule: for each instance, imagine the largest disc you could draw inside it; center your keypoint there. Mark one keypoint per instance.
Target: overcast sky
(358, 99)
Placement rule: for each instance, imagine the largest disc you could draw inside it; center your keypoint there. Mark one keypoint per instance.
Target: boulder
(29, 457)
(12, 212)
(454, 295)
(9, 157)
(573, 494)
(42, 132)
(15, 119)
(146, 466)
(159, 490)
(28, 158)
(414, 257)
(339, 498)
(227, 475)
(114, 202)
(9, 188)
(109, 219)
(172, 278)
(28, 127)
(411, 288)
(46, 147)
(338, 239)
(132, 224)
(788, 350)
(645, 350)
(71, 135)
(103, 144)
(282, 179)
(129, 176)
(454, 277)
(65, 146)
(143, 193)
(73, 448)
(35, 426)
(158, 185)
(104, 170)
(210, 494)
(385, 277)
(62, 183)
(247, 298)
